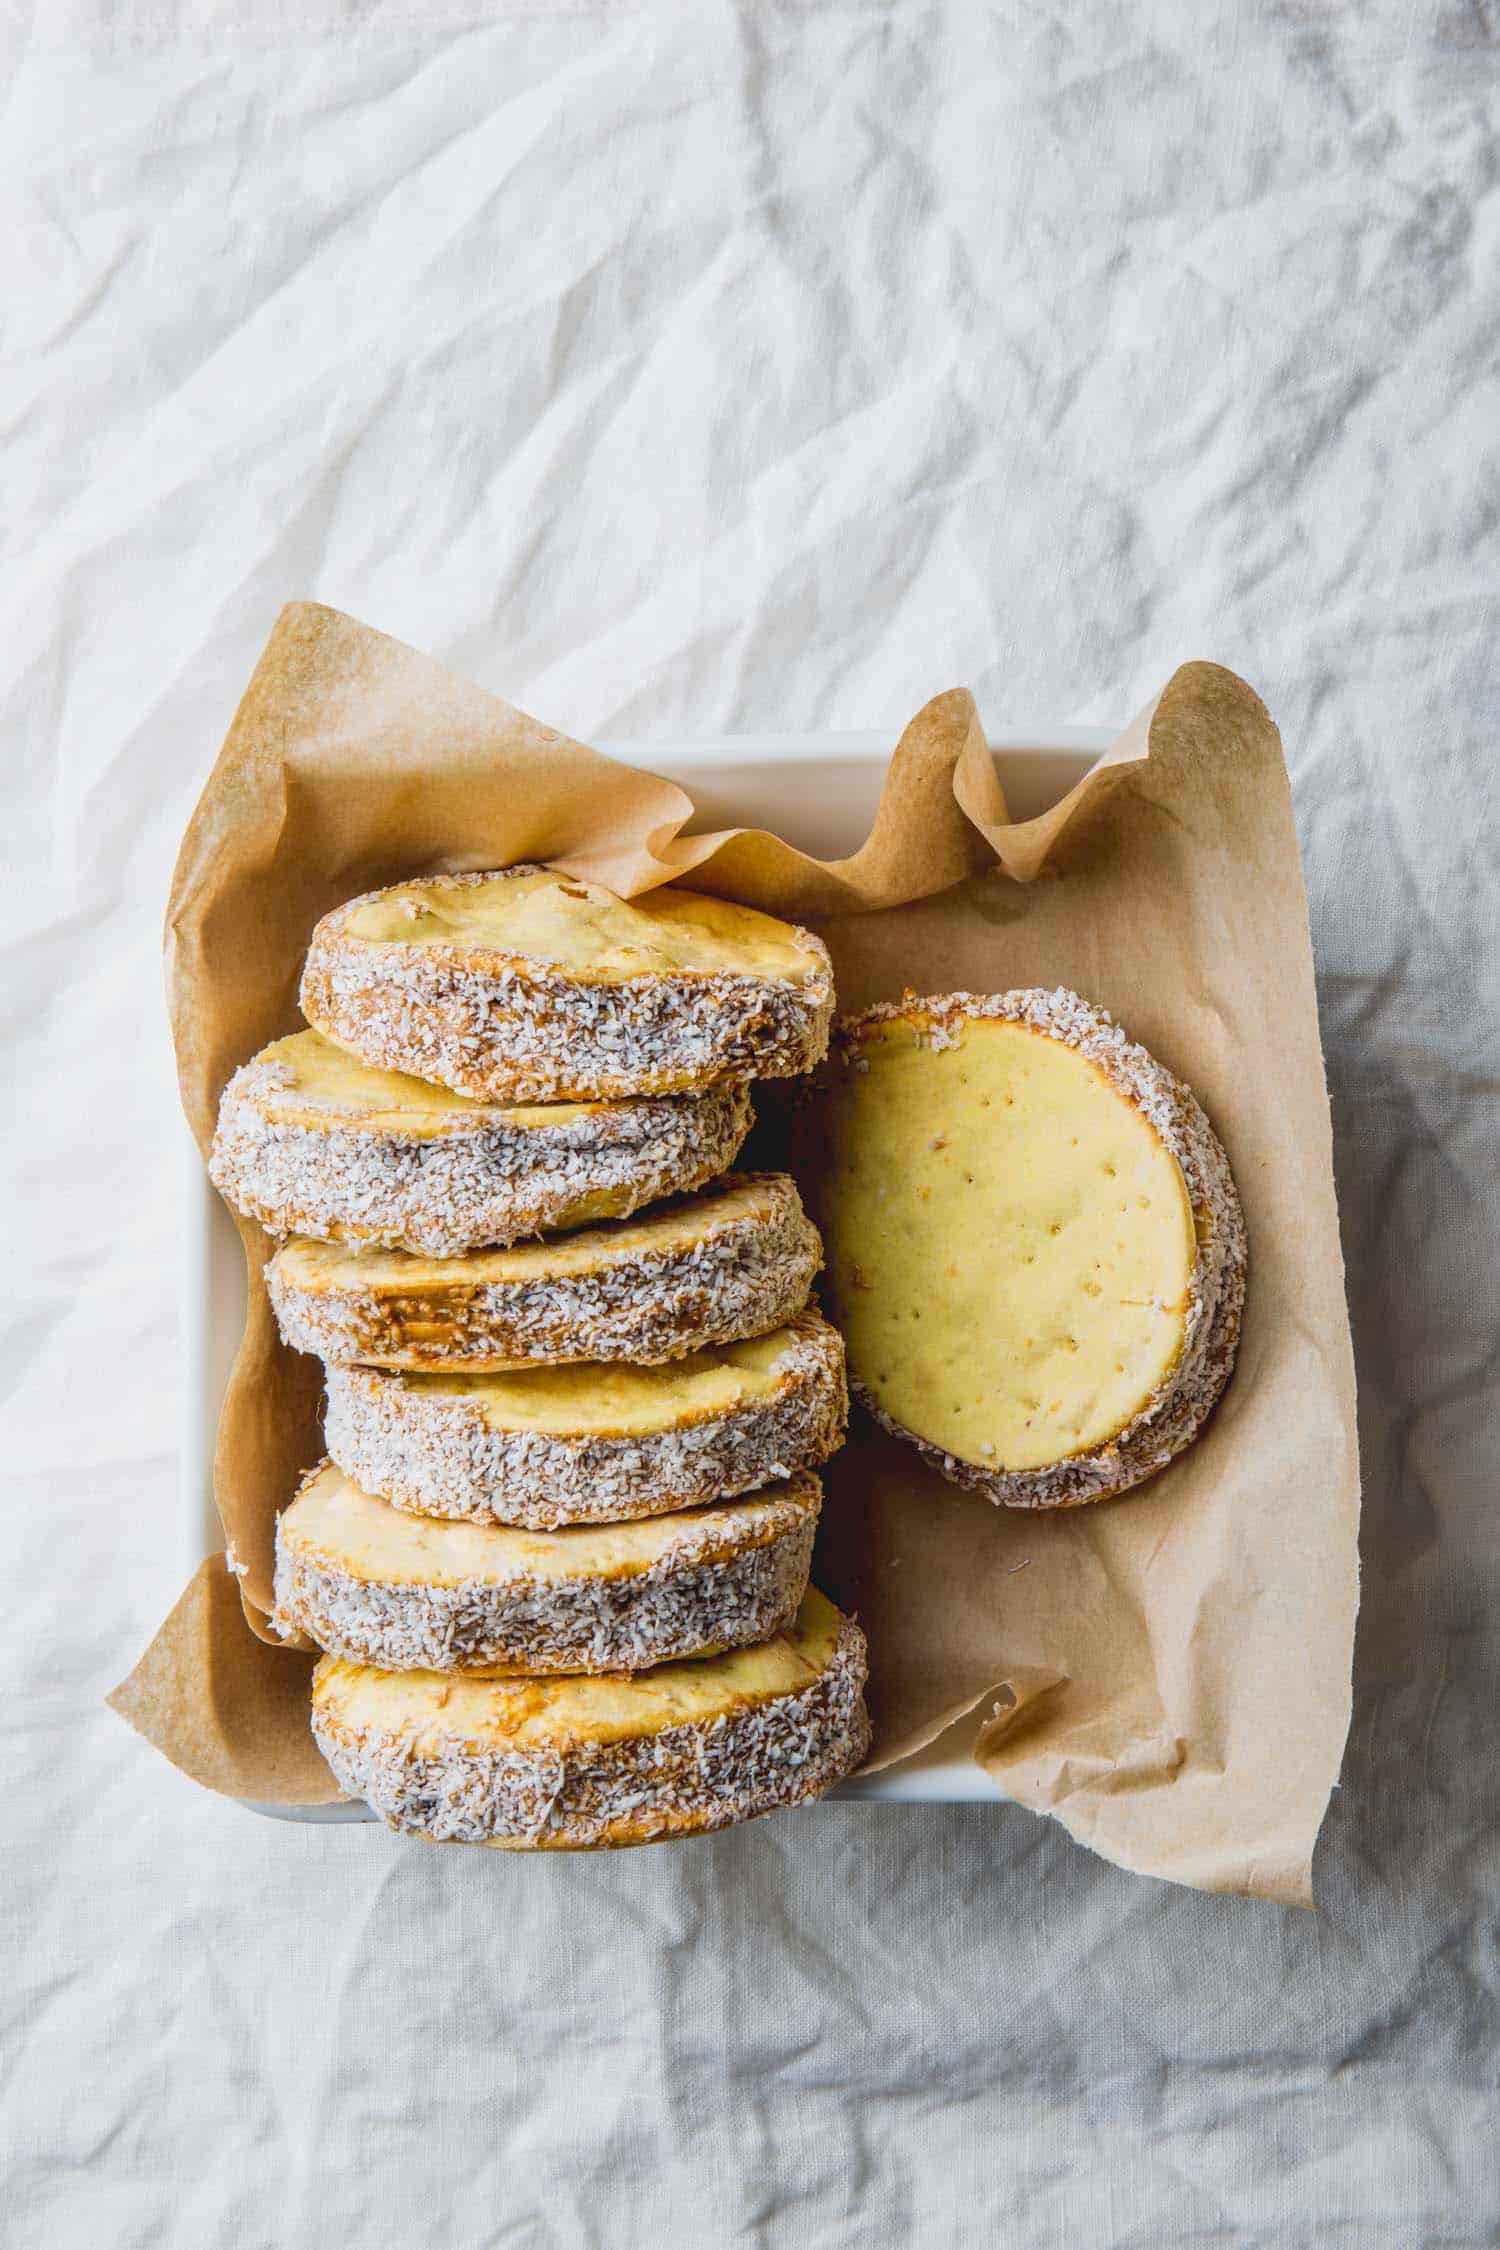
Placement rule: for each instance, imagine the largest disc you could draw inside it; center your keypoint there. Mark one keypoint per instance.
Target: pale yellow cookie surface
(587, 933)
(1010, 1243)
(617, 1399)
(334, 1524)
(321, 1086)
(429, 1711)
(663, 1232)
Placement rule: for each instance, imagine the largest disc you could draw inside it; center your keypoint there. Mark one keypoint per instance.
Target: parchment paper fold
(1167, 1675)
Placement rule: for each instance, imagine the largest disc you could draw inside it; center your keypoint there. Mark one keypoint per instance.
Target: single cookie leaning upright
(733, 1260)
(378, 1587)
(312, 1141)
(529, 986)
(543, 1446)
(578, 1763)
(1035, 1249)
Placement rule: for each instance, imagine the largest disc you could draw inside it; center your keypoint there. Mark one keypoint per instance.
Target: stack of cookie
(558, 1557)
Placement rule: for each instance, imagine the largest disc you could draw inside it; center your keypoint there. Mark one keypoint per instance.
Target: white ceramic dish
(820, 792)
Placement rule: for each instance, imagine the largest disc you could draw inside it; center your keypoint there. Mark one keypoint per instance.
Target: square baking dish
(819, 791)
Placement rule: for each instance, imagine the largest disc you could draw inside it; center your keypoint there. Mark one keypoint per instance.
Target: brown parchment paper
(1168, 1675)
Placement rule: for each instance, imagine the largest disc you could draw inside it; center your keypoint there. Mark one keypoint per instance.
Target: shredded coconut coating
(532, 1033)
(684, 1781)
(749, 1272)
(435, 1455)
(473, 1185)
(1177, 1409)
(721, 1586)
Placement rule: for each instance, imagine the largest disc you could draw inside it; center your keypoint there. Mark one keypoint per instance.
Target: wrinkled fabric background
(683, 370)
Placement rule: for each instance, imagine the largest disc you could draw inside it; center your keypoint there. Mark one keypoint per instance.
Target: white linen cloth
(683, 370)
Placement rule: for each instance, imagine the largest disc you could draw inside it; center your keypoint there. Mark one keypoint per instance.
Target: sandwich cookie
(593, 1444)
(734, 1260)
(399, 1592)
(578, 1763)
(529, 986)
(312, 1141)
(1035, 1248)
